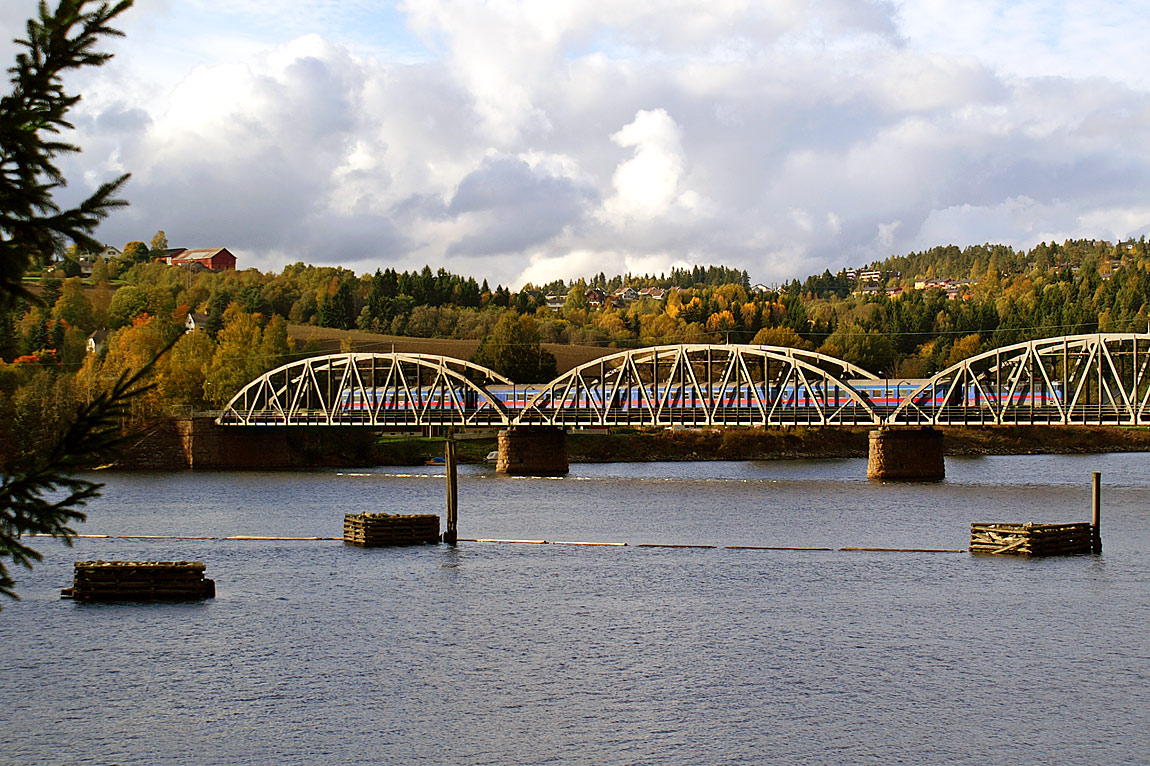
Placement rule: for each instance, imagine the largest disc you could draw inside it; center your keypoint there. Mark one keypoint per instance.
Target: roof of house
(199, 255)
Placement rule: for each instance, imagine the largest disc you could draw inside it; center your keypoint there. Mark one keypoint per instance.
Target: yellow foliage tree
(781, 336)
(749, 314)
(236, 360)
(720, 322)
(964, 348)
(131, 348)
(181, 378)
(659, 329)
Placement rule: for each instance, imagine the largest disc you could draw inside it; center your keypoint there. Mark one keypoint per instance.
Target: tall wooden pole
(1096, 519)
(452, 494)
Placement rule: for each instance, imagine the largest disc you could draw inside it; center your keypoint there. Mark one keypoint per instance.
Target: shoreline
(660, 445)
(164, 449)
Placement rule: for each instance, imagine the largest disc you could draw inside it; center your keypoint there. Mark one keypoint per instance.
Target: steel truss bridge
(1097, 379)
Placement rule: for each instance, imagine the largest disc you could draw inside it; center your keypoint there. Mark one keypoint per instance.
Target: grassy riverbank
(649, 445)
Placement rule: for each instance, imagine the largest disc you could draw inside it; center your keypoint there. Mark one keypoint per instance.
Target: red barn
(216, 259)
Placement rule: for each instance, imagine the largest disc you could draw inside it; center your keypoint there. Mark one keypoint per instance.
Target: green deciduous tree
(127, 304)
(74, 307)
(514, 349)
(869, 349)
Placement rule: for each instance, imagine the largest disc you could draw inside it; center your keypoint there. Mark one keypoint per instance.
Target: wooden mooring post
(450, 534)
(1096, 513)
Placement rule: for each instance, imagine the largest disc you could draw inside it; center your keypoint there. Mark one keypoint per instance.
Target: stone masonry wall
(533, 451)
(906, 455)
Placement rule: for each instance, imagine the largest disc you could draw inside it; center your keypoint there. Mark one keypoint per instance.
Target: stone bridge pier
(533, 451)
(906, 454)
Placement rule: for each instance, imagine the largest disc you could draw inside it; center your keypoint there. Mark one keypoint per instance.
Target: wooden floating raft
(139, 581)
(1031, 539)
(372, 530)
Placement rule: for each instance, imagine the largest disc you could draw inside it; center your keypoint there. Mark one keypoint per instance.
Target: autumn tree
(781, 336)
(337, 306)
(183, 372)
(235, 361)
(133, 348)
(135, 252)
(964, 348)
(159, 242)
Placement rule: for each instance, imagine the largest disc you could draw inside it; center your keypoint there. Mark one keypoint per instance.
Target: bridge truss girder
(392, 390)
(1095, 379)
(704, 385)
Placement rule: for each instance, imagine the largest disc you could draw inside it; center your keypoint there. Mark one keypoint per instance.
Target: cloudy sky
(529, 141)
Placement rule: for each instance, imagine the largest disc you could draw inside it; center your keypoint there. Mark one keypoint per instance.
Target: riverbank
(172, 445)
(661, 445)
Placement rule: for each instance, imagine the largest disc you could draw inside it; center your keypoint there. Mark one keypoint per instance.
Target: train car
(880, 394)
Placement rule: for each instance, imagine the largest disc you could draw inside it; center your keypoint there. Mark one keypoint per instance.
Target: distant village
(872, 282)
(868, 282)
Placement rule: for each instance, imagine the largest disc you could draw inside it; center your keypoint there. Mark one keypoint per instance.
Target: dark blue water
(314, 652)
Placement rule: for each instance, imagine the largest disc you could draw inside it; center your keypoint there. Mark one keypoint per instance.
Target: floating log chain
(1031, 539)
(139, 581)
(372, 530)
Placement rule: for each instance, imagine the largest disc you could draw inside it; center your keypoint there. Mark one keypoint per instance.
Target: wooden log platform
(1031, 539)
(373, 530)
(139, 581)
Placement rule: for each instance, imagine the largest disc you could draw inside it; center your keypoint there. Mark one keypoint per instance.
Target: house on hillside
(625, 295)
(87, 260)
(195, 322)
(214, 259)
(97, 340)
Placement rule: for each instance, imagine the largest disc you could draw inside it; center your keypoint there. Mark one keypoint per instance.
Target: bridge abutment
(206, 445)
(533, 451)
(906, 455)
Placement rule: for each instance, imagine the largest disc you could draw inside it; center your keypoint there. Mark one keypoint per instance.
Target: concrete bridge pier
(533, 451)
(906, 455)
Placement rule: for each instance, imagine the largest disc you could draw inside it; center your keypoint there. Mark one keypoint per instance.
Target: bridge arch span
(1093, 379)
(704, 385)
(384, 390)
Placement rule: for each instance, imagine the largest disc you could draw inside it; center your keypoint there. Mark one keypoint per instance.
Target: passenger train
(881, 394)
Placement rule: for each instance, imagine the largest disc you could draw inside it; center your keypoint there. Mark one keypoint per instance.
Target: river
(494, 653)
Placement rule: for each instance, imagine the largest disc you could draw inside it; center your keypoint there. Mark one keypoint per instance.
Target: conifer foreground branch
(45, 498)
